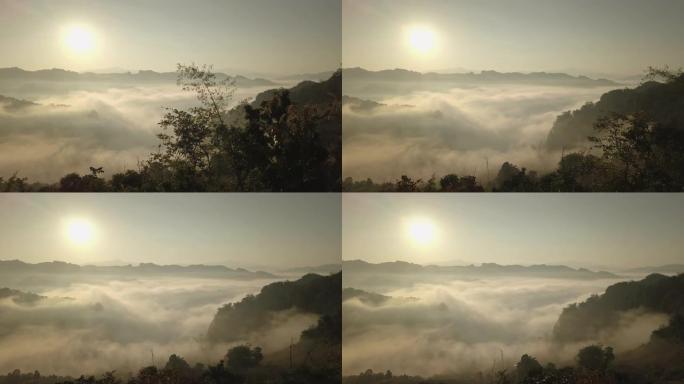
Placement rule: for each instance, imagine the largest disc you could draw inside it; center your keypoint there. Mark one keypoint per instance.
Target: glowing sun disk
(79, 39)
(422, 231)
(422, 39)
(80, 231)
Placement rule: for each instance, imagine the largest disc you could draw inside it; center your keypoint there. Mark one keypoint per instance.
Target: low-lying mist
(455, 130)
(74, 126)
(116, 324)
(464, 327)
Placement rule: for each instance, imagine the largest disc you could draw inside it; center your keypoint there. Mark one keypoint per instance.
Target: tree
(528, 367)
(406, 184)
(147, 375)
(218, 374)
(664, 73)
(513, 179)
(128, 181)
(641, 154)
(241, 358)
(178, 371)
(452, 183)
(273, 146)
(595, 358)
(13, 184)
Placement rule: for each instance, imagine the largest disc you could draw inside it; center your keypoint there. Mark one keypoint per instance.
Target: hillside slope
(655, 293)
(313, 294)
(662, 102)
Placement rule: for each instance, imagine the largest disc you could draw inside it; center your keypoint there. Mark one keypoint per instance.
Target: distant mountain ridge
(318, 269)
(668, 268)
(317, 76)
(142, 76)
(485, 269)
(11, 267)
(491, 77)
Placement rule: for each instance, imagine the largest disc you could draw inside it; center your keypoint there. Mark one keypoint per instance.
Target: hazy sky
(620, 230)
(238, 230)
(589, 36)
(271, 36)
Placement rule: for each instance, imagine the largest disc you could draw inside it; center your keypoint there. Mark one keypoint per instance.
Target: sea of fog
(467, 326)
(454, 129)
(76, 126)
(91, 326)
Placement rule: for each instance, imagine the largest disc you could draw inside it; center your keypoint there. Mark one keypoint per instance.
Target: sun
(421, 231)
(80, 231)
(79, 39)
(421, 39)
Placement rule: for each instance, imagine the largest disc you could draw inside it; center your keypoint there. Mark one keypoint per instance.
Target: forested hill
(314, 294)
(20, 297)
(309, 92)
(662, 103)
(655, 293)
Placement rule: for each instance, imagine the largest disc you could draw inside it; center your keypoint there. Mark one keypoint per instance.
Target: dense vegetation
(636, 139)
(242, 364)
(448, 183)
(287, 140)
(660, 97)
(594, 364)
(656, 293)
(315, 294)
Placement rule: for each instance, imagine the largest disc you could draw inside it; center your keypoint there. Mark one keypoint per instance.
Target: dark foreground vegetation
(286, 140)
(636, 144)
(242, 364)
(658, 361)
(594, 364)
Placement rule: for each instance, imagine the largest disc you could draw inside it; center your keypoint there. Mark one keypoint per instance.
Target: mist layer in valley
(465, 321)
(55, 122)
(65, 319)
(405, 123)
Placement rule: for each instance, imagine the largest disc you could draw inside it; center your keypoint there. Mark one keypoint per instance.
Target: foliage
(277, 145)
(595, 358)
(243, 357)
(448, 183)
(586, 320)
(636, 138)
(312, 293)
(673, 331)
(528, 368)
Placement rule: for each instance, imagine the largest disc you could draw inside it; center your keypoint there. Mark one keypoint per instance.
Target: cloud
(96, 126)
(115, 324)
(454, 130)
(464, 326)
